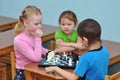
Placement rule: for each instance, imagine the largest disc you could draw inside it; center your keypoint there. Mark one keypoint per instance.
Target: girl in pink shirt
(27, 42)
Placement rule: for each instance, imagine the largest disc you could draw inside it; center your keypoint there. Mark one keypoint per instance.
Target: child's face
(34, 23)
(67, 26)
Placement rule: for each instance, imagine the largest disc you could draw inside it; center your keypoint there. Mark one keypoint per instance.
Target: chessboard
(65, 61)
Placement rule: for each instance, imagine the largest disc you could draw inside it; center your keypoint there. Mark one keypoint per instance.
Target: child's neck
(96, 45)
(69, 35)
(26, 32)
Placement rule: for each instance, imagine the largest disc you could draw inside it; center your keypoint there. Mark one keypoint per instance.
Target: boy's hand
(50, 69)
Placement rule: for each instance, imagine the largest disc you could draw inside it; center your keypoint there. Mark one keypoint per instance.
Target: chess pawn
(57, 59)
(70, 62)
(65, 57)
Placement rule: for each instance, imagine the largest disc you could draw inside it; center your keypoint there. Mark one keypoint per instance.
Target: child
(27, 42)
(67, 33)
(92, 65)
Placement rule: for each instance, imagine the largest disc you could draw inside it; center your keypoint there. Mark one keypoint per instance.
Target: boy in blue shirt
(92, 65)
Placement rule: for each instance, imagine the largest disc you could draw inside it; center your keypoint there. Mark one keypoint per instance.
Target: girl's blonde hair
(26, 13)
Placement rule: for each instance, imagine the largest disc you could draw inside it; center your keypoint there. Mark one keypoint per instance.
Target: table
(32, 69)
(7, 23)
(6, 38)
(114, 50)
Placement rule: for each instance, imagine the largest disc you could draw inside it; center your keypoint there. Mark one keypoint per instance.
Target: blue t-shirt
(93, 64)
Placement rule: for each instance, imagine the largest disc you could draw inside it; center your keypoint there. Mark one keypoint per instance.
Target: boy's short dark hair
(90, 29)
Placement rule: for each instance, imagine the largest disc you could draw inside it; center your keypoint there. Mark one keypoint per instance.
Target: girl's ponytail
(18, 28)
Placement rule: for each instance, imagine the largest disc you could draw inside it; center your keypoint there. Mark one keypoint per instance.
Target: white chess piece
(76, 62)
(70, 62)
(65, 55)
(50, 55)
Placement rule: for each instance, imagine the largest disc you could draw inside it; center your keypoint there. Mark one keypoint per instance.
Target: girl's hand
(38, 33)
(59, 43)
(58, 50)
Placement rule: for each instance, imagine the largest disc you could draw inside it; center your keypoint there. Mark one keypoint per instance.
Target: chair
(52, 45)
(115, 76)
(5, 59)
(3, 71)
(13, 69)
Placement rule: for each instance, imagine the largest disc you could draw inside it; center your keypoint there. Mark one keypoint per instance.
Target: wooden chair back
(52, 45)
(115, 76)
(13, 69)
(3, 71)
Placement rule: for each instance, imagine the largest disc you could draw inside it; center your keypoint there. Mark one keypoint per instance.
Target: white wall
(106, 12)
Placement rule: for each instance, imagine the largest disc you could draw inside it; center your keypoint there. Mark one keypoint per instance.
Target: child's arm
(67, 75)
(39, 33)
(70, 46)
(33, 54)
(64, 49)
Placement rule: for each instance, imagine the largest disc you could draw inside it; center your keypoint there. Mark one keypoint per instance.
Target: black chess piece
(75, 57)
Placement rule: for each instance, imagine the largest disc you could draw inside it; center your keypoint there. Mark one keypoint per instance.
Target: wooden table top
(33, 67)
(7, 23)
(113, 47)
(6, 38)
(6, 20)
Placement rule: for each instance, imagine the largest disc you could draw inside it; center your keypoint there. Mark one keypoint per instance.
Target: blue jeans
(20, 75)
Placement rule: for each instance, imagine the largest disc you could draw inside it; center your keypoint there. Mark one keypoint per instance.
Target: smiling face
(33, 23)
(67, 26)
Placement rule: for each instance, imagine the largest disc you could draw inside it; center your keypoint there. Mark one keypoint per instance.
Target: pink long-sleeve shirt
(28, 49)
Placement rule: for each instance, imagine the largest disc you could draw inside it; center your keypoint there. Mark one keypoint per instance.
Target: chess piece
(70, 62)
(65, 56)
(50, 56)
(75, 57)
